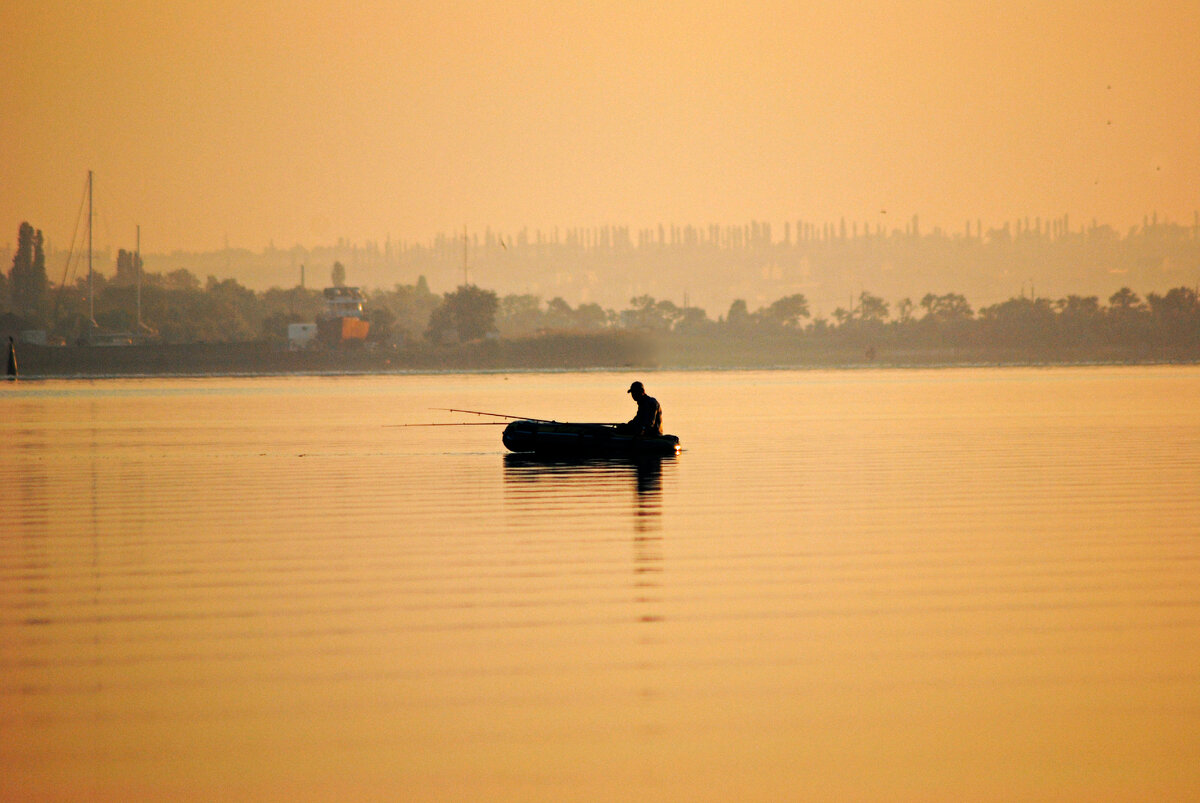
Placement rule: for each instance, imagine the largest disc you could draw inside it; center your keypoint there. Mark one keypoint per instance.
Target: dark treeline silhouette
(178, 308)
(1160, 326)
(23, 290)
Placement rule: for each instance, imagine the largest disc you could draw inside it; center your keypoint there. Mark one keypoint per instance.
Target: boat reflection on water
(589, 497)
(582, 495)
(591, 480)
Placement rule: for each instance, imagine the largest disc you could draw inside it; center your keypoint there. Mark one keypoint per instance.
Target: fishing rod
(455, 424)
(474, 423)
(526, 418)
(494, 423)
(494, 415)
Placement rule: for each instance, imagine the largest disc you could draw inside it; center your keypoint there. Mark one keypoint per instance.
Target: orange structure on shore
(344, 320)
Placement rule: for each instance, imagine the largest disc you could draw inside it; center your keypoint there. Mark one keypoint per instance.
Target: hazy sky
(305, 121)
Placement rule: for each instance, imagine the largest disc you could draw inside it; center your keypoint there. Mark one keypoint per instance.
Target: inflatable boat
(553, 437)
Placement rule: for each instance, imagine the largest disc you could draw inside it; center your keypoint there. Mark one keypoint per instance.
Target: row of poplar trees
(24, 290)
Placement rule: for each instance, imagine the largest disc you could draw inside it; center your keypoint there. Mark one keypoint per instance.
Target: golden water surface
(957, 584)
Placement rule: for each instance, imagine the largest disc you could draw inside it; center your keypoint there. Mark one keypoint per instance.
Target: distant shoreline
(618, 350)
(562, 352)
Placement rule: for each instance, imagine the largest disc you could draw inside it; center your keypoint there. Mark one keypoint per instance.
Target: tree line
(756, 261)
(177, 307)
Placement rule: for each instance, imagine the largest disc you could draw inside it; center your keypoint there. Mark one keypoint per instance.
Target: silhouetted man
(11, 370)
(648, 420)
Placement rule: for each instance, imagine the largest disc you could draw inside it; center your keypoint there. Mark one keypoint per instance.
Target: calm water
(931, 585)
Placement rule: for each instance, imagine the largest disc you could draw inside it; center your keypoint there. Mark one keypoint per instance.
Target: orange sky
(306, 121)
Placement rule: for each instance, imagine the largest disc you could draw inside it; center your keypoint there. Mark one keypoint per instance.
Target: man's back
(648, 420)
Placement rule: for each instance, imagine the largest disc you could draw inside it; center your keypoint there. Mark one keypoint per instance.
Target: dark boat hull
(551, 437)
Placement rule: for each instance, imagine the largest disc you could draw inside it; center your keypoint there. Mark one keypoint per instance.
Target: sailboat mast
(137, 263)
(91, 285)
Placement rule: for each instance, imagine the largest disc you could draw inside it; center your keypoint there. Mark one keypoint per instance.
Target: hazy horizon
(58, 242)
(711, 267)
(254, 123)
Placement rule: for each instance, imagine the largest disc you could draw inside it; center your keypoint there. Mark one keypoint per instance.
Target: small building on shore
(344, 321)
(301, 335)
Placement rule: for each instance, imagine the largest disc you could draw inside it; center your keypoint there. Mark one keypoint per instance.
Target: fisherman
(648, 420)
(12, 359)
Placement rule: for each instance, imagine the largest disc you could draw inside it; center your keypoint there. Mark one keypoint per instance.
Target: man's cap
(637, 385)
